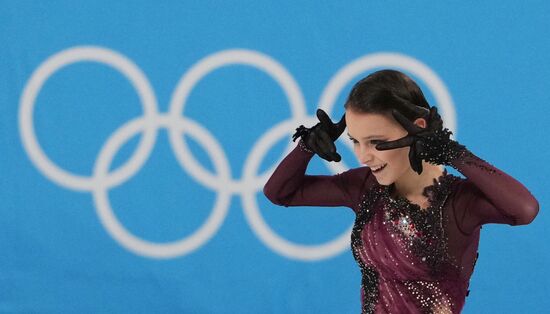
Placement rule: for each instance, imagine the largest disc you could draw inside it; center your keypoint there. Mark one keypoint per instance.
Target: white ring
(33, 87)
(250, 182)
(200, 70)
(118, 231)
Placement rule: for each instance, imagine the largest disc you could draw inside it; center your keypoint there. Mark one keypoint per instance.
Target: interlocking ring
(221, 181)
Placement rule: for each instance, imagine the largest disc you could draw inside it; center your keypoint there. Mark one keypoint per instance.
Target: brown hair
(384, 90)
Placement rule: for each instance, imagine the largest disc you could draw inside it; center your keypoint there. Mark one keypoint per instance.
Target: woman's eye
(375, 142)
(354, 141)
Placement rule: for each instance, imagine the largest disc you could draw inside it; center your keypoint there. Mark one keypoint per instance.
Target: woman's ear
(421, 122)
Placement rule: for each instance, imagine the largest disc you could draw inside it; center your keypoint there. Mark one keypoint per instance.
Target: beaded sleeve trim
(438, 148)
(465, 157)
(301, 131)
(304, 148)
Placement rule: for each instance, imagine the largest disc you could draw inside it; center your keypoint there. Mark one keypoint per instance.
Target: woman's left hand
(432, 144)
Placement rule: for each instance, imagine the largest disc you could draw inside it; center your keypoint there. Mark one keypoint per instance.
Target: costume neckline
(429, 191)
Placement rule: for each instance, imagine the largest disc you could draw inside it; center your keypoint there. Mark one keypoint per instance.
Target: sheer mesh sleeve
(489, 195)
(290, 186)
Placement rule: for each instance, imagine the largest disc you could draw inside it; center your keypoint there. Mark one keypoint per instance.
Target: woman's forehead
(369, 124)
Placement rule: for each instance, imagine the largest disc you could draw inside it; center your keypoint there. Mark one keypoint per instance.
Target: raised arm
(290, 186)
(491, 196)
(487, 196)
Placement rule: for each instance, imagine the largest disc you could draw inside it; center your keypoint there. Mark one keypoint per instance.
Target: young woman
(417, 227)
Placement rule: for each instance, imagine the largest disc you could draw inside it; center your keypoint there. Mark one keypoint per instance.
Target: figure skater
(417, 227)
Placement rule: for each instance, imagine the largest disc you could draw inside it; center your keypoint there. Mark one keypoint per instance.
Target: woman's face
(368, 129)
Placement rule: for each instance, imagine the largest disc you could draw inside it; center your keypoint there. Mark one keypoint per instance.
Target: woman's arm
(290, 186)
(490, 195)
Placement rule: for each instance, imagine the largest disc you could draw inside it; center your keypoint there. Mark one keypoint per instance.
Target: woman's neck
(412, 184)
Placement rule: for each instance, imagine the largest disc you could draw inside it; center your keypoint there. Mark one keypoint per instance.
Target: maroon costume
(412, 260)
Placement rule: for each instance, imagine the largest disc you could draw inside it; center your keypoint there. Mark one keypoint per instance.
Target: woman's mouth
(378, 168)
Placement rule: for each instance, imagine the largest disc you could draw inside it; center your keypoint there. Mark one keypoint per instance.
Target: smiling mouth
(379, 169)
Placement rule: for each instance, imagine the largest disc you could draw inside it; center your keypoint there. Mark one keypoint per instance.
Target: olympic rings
(222, 181)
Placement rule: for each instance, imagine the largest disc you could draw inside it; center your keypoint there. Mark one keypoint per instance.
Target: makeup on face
(366, 130)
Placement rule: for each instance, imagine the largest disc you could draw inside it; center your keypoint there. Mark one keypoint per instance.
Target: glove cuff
(302, 132)
(440, 149)
(303, 147)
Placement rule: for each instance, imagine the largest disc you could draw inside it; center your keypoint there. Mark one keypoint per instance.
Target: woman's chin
(382, 181)
(381, 177)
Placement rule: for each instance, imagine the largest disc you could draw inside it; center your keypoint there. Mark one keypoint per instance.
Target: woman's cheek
(401, 156)
(385, 156)
(392, 157)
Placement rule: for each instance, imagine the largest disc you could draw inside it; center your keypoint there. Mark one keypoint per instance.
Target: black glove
(321, 137)
(432, 144)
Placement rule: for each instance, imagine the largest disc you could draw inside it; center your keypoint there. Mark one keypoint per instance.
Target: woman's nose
(365, 155)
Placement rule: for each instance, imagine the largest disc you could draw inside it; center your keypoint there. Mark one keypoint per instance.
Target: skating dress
(412, 259)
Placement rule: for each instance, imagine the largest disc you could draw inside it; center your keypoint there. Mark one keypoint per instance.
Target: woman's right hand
(321, 137)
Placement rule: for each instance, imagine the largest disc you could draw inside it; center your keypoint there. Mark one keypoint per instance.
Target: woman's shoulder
(357, 180)
(463, 186)
(463, 192)
(356, 175)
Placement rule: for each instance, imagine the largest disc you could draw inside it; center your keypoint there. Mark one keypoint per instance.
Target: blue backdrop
(136, 137)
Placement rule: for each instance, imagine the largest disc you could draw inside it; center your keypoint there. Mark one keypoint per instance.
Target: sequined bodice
(396, 241)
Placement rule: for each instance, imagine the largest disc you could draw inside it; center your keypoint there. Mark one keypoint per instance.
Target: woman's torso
(413, 260)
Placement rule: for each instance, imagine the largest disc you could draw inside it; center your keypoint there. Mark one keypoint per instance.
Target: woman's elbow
(272, 195)
(530, 211)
